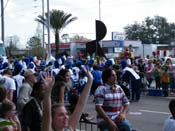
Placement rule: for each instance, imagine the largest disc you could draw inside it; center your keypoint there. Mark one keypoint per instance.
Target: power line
(4, 7)
(6, 4)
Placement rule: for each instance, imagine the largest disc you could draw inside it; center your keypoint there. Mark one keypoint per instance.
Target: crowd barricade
(87, 126)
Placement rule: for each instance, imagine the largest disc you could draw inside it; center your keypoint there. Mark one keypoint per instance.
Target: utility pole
(2, 20)
(43, 17)
(99, 9)
(48, 28)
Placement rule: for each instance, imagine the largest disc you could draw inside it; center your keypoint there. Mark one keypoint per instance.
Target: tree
(11, 44)
(34, 42)
(78, 38)
(152, 30)
(58, 21)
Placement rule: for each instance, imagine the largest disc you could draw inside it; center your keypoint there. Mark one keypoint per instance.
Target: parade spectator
(19, 79)
(149, 72)
(130, 76)
(169, 124)
(8, 113)
(157, 74)
(26, 89)
(9, 83)
(3, 94)
(64, 75)
(97, 78)
(111, 104)
(32, 111)
(82, 81)
(165, 80)
(58, 118)
(171, 69)
(58, 91)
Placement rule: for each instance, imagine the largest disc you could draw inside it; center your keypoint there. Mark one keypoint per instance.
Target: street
(146, 115)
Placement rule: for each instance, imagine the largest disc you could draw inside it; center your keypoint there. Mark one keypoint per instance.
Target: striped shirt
(110, 100)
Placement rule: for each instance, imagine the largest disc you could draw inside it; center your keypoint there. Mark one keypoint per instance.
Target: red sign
(61, 46)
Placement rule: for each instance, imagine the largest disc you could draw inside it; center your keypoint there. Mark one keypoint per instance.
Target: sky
(20, 15)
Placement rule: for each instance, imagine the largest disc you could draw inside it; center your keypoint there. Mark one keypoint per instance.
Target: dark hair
(172, 107)
(5, 107)
(96, 67)
(8, 72)
(63, 72)
(106, 74)
(56, 91)
(3, 93)
(61, 75)
(37, 87)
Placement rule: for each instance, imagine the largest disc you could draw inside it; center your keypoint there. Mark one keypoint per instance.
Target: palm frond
(41, 20)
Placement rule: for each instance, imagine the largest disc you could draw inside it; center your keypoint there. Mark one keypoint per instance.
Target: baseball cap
(29, 72)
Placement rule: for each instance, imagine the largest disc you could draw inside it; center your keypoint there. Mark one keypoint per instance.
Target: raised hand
(88, 73)
(49, 81)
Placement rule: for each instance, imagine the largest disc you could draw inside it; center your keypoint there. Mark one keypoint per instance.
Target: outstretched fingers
(48, 80)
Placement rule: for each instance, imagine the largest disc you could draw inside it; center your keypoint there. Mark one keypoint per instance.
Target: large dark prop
(94, 46)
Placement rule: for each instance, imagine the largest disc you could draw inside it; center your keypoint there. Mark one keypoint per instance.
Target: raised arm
(47, 117)
(75, 117)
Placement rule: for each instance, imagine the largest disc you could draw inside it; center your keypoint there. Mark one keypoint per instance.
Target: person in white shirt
(19, 79)
(9, 83)
(169, 123)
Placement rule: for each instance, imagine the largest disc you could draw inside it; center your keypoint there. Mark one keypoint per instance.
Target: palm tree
(58, 21)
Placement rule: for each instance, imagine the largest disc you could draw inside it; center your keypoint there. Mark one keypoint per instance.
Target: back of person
(24, 96)
(9, 83)
(18, 82)
(31, 116)
(169, 123)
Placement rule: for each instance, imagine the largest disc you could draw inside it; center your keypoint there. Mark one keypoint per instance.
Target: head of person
(172, 107)
(18, 68)
(65, 74)
(3, 94)
(123, 64)
(7, 110)
(109, 76)
(7, 72)
(30, 75)
(60, 116)
(168, 61)
(38, 90)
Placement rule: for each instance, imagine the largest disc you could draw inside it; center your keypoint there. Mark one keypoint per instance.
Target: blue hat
(69, 64)
(30, 66)
(63, 60)
(16, 62)
(78, 63)
(27, 60)
(5, 65)
(108, 63)
(1, 59)
(91, 62)
(43, 63)
(31, 58)
(56, 64)
(18, 68)
(123, 64)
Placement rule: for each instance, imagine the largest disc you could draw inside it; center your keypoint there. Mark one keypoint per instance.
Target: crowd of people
(41, 95)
